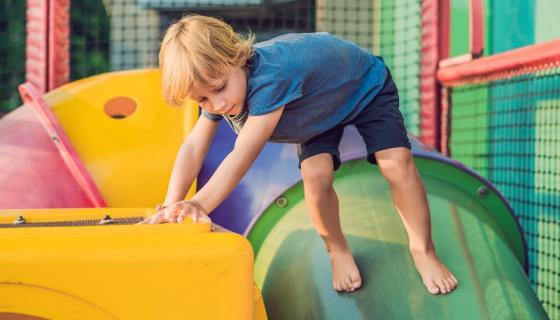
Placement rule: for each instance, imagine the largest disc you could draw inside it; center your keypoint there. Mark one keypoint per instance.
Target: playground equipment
(92, 264)
(474, 233)
(97, 131)
(127, 157)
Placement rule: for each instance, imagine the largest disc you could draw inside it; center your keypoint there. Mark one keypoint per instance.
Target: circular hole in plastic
(120, 107)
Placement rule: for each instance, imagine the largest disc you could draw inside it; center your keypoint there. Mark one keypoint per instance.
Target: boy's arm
(190, 158)
(255, 133)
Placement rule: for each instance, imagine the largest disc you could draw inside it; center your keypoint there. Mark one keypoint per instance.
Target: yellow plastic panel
(167, 271)
(124, 132)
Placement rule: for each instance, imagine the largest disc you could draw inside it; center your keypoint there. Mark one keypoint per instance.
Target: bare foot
(345, 273)
(435, 275)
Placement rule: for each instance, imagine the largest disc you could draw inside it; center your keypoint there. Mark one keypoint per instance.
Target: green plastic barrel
(473, 228)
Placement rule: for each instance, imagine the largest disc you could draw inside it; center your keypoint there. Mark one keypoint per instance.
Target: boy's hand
(178, 212)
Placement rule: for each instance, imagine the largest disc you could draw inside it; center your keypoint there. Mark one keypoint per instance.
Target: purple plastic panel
(274, 171)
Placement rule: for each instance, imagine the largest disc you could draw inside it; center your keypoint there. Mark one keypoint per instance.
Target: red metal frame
(32, 97)
(508, 64)
(476, 49)
(476, 27)
(476, 36)
(500, 66)
(47, 67)
(47, 43)
(435, 46)
(36, 44)
(59, 43)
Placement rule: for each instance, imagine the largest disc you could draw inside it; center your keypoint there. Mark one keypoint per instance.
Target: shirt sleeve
(272, 95)
(212, 116)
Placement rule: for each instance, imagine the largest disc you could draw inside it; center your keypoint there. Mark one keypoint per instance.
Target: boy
(296, 88)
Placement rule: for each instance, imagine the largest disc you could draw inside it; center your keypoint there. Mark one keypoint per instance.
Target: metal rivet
(106, 219)
(483, 192)
(282, 202)
(19, 220)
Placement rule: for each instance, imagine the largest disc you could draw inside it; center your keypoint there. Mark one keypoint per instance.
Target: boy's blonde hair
(198, 50)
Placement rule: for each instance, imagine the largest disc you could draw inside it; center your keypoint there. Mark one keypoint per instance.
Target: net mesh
(390, 29)
(12, 52)
(89, 38)
(109, 35)
(508, 130)
(125, 34)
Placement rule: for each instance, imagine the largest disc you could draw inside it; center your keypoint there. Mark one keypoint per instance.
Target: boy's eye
(220, 88)
(202, 100)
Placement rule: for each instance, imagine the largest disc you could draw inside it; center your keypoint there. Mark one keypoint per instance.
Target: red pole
(36, 44)
(476, 28)
(435, 47)
(59, 43)
(47, 43)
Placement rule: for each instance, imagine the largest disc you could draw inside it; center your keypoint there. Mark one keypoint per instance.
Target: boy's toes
(443, 286)
(452, 284)
(338, 287)
(449, 285)
(347, 285)
(455, 281)
(356, 283)
(432, 288)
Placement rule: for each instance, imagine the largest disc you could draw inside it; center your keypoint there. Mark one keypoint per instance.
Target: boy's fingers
(156, 218)
(205, 218)
(195, 214)
(146, 220)
(170, 211)
(167, 215)
(181, 216)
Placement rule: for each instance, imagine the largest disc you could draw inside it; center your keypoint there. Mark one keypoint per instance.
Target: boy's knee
(317, 172)
(396, 166)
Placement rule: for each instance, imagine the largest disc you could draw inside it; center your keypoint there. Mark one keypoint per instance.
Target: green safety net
(89, 38)
(508, 130)
(125, 34)
(12, 53)
(391, 29)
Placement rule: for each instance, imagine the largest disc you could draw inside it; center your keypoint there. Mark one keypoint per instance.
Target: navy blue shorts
(380, 124)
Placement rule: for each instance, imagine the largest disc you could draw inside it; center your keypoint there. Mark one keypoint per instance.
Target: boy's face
(228, 97)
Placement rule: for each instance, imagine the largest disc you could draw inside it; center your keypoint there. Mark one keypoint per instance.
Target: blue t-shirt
(322, 80)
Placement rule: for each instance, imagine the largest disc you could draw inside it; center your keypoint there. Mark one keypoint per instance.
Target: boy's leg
(409, 198)
(322, 204)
